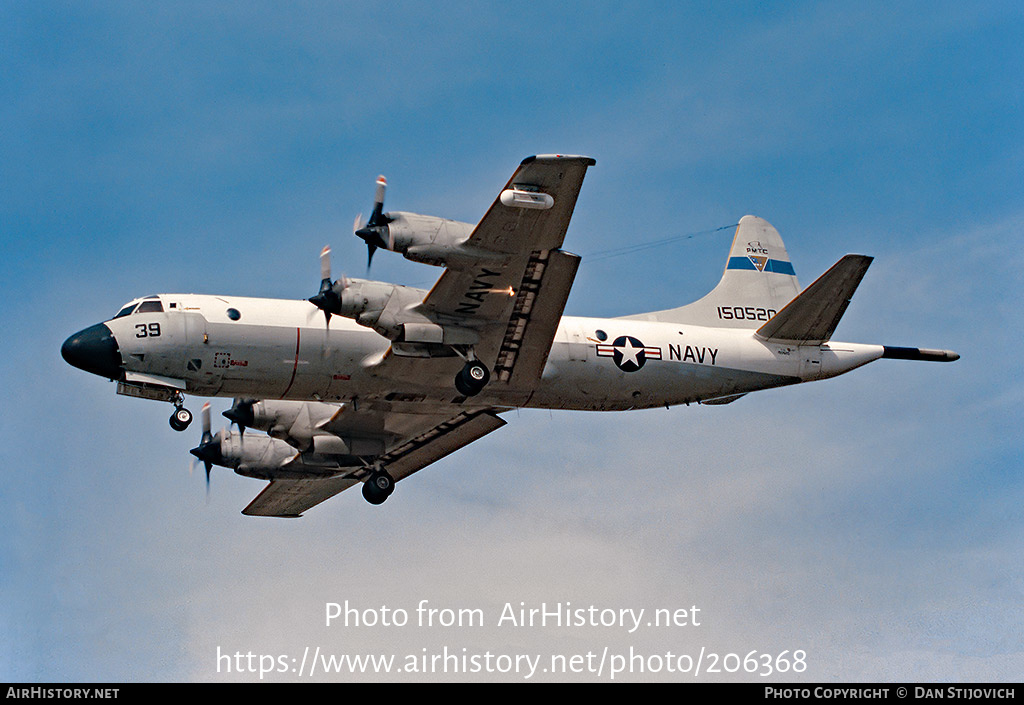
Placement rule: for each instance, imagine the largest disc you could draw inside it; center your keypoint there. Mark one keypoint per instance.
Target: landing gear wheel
(180, 419)
(378, 487)
(473, 378)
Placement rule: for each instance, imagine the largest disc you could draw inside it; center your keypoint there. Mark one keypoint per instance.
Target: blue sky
(872, 521)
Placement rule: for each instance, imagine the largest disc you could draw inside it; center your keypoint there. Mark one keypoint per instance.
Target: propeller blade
(375, 231)
(208, 449)
(206, 423)
(377, 216)
(325, 299)
(325, 263)
(209, 464)
(241, 413)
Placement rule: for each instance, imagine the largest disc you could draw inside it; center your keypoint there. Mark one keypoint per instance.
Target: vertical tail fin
(758, 281)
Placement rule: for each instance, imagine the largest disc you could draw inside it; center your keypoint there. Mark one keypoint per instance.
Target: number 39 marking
(151, 330)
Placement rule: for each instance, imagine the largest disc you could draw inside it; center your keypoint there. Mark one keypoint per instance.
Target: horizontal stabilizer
(811, 318)
(920, 354)
(723, 400)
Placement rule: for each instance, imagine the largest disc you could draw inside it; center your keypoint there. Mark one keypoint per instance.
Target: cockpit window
(125, 311)
(150, 307)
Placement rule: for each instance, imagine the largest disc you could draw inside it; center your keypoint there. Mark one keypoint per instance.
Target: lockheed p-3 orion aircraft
(368, 382)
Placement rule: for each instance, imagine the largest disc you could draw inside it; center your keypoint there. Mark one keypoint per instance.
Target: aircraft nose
(93, 350)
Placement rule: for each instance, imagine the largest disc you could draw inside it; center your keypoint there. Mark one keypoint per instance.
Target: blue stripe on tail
(773, 265)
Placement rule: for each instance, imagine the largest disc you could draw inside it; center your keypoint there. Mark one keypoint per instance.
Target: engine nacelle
(364, 300)
(425, 238)
(269, 458)
(328, 444)
(254, 451)
(294, 420)
(394, 312)
(300, 424)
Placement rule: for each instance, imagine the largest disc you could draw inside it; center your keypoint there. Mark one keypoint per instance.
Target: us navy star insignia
(628, 353)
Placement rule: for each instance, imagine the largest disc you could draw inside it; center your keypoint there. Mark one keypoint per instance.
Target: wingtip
(588, 161)
(248, 513)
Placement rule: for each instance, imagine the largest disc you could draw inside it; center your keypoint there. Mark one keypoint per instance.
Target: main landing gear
(378, 487)
(474, 376)
(472, 379)
(181, 417)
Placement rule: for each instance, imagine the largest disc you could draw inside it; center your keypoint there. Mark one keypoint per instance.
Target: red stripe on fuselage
(295, 367)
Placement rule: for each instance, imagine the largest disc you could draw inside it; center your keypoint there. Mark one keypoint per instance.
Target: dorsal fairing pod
(522, 197)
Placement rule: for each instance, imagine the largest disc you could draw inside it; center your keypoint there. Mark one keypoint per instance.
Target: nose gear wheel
(182, 417)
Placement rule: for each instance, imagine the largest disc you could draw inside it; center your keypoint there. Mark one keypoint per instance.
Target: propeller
(327, 299)
(241, 413)
(208, 449)
(375, 232)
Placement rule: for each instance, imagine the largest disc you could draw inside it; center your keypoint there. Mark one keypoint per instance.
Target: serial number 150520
(745, 313)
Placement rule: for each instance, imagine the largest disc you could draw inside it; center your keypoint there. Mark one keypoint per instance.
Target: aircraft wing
(514, 292)
(424, 439)
(290, 498)
(509, 286)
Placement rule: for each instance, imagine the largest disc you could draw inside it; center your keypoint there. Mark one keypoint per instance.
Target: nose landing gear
(182, 417)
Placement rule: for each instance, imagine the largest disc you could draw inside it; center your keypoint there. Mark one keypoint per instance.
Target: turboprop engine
(297, 445)
(261, 456)
(302, 426)
(420, 238)
(392, 310)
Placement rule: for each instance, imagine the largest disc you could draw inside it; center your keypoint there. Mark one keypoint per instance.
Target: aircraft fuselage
(282, 349)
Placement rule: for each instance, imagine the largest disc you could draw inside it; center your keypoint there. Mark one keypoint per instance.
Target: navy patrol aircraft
(368, 382)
